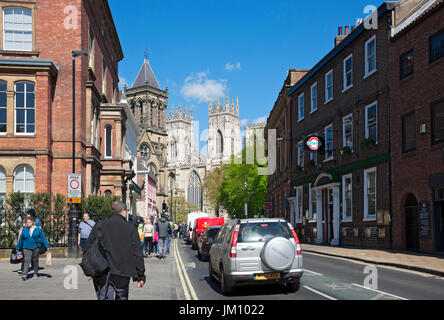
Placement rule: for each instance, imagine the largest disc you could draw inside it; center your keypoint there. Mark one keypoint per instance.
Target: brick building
(38, 38)
(342, 196)
(417, 125)
(279, 184)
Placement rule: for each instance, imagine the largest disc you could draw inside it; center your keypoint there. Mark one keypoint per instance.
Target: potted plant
(368, 143)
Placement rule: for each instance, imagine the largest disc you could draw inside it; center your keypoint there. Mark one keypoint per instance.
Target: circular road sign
(314, 143)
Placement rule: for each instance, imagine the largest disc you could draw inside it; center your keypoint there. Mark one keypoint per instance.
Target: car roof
(257, 220)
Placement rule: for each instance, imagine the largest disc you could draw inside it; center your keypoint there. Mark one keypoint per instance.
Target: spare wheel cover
(278, 254)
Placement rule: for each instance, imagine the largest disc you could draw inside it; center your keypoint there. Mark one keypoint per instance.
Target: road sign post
(74, 197)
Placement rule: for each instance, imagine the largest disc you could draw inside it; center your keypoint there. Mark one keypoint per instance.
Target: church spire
(191, 112)
(227, 101)
(210, 106)
(180, 110)
(237, 104)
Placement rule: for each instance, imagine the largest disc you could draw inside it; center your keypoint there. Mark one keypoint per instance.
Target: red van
(201, 225)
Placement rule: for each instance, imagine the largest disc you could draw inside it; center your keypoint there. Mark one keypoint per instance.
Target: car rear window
(213, 233)
(263, 231)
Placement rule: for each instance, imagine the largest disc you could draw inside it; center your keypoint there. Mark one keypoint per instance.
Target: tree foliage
(180, 209)
(98, 207)
(212, 186)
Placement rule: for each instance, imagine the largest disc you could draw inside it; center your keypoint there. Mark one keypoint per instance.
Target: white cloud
(122, 83)
(198, 87)
(260, 120)
(230, 67)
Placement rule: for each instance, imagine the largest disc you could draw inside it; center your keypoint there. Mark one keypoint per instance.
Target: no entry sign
(74, 187)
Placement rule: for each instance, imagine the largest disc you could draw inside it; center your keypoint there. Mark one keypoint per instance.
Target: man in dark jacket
(163, 228)
(123, 252)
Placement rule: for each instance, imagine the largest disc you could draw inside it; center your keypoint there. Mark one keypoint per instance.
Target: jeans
(142, 243)
(163, 246)
(83, 244)
(149, 245)
(168, 244)
(155, 247)
(112, 287)
(31, 254)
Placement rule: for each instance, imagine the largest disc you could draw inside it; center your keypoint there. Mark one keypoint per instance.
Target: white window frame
(2, 182)
(367, 72)
(350, 57)
(26, 167)
(311, 218)
(344, 140)
(299, 213)
(27, 31)
(326, 143)
(312, 109)
(301, 153)
(366, 120)
(327, 100)
(26, 109)
(367, 217)
(5, 108)
(344, 207)
(106, 141)
(301, 107)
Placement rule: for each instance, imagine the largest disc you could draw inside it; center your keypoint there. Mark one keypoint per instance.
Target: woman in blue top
(31, 238)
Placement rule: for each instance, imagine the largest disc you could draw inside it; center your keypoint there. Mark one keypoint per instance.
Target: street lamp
(73, 248)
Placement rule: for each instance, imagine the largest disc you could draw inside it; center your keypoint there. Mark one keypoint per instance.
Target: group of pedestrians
(155, 235)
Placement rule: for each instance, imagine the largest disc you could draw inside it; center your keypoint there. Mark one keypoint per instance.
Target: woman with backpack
(31, 239)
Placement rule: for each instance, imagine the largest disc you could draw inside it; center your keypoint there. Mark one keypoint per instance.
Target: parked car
(190, 224)
(201, 224)
(206, 241)
(256, 251)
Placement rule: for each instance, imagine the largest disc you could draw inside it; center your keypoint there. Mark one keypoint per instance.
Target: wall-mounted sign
(424, 220)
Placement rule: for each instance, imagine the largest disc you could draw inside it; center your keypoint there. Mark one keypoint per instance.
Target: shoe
(20, 272)
(23, 278)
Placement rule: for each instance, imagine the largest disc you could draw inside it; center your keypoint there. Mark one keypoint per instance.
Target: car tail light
(296, 239)
(233, 250)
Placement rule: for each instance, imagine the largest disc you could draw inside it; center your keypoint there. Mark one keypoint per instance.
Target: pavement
(57, 282)
(400, 259)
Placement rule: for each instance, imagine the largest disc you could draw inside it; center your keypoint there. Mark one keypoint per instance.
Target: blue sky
(196, 47)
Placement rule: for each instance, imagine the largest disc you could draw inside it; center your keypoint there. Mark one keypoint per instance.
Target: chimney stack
(346, 30)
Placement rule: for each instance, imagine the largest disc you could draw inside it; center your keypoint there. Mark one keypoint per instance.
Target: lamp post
(73, 248)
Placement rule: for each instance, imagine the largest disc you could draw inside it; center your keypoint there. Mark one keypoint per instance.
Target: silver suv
(256, 251)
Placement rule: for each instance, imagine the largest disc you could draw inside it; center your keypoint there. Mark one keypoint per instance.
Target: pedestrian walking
(156, 238)
(29, 214)
(148, 231)
(31, 239)
(85, 228)
(164, 228)
(170, 232)
(176, 230)
(141, 237)
(122, 250)
(184, 230)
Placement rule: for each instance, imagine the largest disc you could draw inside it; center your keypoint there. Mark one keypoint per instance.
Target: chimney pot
(339, 31)
(346, 30)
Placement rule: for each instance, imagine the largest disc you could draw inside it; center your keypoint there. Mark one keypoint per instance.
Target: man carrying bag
(114, 256)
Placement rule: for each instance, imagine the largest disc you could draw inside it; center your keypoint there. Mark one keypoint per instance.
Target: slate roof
(146, 75)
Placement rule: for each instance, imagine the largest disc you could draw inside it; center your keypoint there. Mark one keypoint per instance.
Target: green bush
(98, 207)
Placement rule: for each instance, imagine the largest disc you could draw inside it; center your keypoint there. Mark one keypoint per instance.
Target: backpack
(94, 263)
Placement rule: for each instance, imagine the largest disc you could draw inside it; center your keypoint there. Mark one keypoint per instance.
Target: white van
(190, 223)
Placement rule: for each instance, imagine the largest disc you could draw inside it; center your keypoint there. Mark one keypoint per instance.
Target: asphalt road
(325, 278)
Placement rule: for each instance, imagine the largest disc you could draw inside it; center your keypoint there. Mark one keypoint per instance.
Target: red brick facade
(57, 31)
(416, 172)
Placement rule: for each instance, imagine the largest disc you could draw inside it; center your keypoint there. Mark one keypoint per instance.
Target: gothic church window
(195, 190)
(219, 143)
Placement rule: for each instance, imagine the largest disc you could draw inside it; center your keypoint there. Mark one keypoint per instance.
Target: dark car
(206, 241)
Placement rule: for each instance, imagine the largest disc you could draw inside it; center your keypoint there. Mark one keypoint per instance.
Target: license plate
(268, 276)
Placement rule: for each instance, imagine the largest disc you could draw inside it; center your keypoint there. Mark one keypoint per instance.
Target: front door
(439, 226)
(328, 215)
(411, 223)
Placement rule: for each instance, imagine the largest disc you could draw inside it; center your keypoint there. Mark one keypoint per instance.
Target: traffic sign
(268, 206)
(314, 143)
(74, 188)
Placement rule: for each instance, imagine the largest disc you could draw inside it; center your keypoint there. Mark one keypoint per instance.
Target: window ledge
(313, 111)
(347, 220)
(346, 89)
(328, 101)
(23, 135)
(19, 53)
(328, 160)
(369, 219)
(369, 74)
(312, 221)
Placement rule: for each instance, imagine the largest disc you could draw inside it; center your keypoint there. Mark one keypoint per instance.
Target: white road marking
(389, 294)
(313, 272)
(427, 275)
(185, 290)
(193, 293)
(320, 293)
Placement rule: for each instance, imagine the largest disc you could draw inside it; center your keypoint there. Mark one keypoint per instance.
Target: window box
(367, 144)
(345, 151)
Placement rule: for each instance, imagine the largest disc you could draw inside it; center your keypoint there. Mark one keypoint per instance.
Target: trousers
(112, 287)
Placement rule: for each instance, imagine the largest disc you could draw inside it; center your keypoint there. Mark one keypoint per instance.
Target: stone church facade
(168, 159)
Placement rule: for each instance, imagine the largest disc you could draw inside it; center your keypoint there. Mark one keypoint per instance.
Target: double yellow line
(189, 292)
